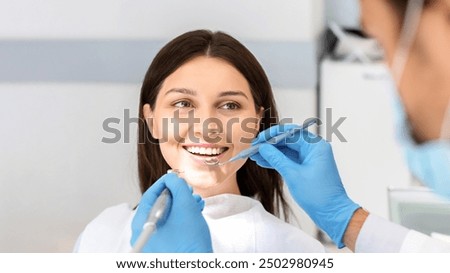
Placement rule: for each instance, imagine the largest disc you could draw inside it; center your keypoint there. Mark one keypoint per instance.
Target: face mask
(428, 162)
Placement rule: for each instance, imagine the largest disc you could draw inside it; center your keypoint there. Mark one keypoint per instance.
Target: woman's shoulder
(276, 235)
(241, 224)
(108, 232)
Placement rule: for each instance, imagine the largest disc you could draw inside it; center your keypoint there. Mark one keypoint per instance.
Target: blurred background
(67, 66)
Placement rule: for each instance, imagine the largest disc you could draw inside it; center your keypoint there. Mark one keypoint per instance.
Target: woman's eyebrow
(182, 91)
(232, 93)
(194, 93)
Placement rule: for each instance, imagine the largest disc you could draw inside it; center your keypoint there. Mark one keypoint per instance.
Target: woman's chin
(201, 180)
(208, 181)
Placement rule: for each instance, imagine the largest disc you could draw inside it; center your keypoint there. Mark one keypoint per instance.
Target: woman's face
(204, 109)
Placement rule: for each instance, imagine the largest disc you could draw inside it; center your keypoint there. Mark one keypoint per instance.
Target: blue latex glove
(183, 229)
(306, 163)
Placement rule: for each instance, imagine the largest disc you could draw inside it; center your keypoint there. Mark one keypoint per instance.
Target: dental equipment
(156, 213)
(214, 161)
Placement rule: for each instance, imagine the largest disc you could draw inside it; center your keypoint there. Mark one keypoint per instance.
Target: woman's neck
(229, 186)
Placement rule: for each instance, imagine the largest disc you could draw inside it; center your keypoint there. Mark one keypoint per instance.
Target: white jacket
(380, 235)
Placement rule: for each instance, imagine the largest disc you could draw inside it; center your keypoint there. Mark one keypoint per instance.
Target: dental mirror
(212, 161)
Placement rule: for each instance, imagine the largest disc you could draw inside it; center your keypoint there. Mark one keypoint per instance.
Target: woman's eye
(230, 106)
(182, 104)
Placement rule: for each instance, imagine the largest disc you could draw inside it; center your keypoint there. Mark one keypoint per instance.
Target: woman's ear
(148, 116)
(260, 115)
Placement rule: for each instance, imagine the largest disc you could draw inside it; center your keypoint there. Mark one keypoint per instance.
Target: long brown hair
(253, 181)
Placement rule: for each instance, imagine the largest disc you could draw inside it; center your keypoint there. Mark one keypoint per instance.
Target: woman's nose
(208, 128)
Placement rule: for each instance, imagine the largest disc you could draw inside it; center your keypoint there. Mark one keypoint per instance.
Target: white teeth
(205, 151)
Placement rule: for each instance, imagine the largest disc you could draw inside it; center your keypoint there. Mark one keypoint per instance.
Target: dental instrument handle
(278, 138)
(274, 140)
(156, 213)
(245, 153)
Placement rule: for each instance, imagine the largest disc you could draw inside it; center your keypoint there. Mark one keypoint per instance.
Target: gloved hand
(183, 229)
(306, 163)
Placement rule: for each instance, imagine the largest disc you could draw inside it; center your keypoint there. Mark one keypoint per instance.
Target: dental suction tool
(214, 161)
(156, 213)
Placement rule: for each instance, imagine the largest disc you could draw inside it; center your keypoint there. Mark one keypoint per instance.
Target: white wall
(289, 20)
(370, 159)
(55, 172)
(343, 12)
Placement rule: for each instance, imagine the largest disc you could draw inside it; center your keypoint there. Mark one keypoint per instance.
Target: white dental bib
(237, 224)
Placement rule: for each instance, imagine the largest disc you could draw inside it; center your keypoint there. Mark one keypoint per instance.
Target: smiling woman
(184, 144)
(206, 96)
(205, 67)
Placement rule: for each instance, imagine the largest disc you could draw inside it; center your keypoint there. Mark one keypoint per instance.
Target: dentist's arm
(308, 168)
(307, 165)
(354, 227)
(183, 229)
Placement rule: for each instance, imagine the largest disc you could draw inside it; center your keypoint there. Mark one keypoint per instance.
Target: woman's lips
(205, 151)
